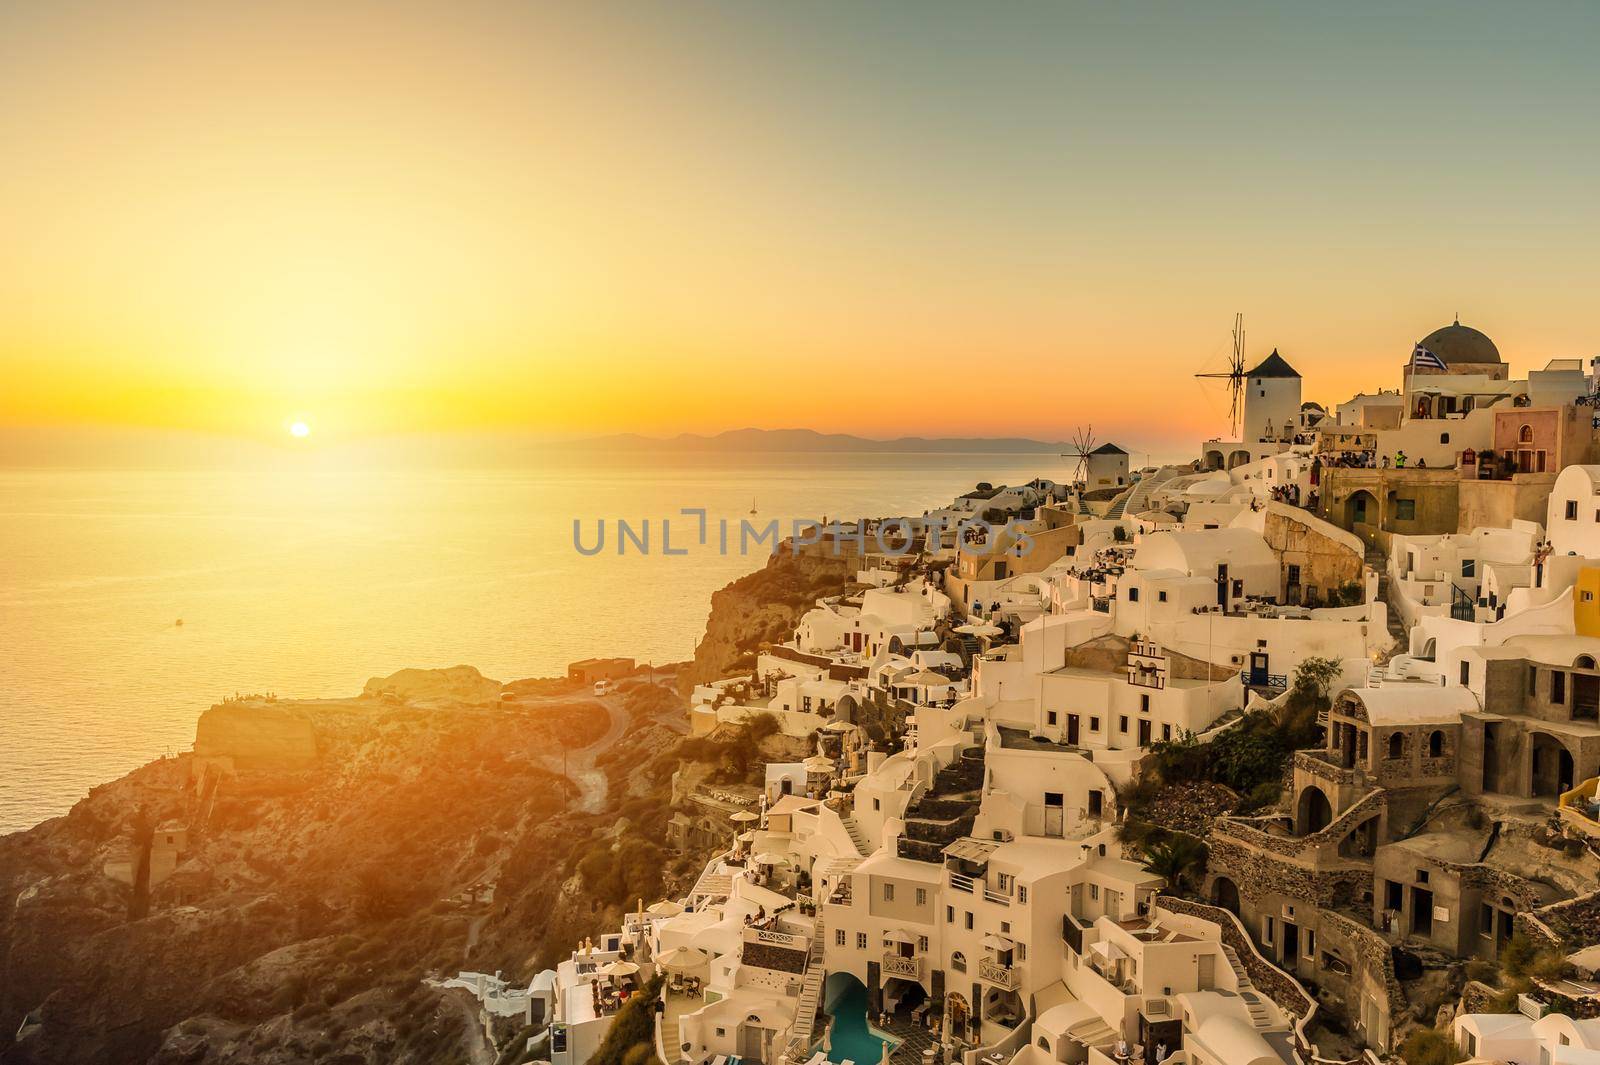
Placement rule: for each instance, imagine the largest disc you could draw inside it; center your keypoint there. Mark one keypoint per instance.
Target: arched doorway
(1551, 771)
(1361, 508)
(1225, 894)
(1237, 459)
(1313, 811)
(845, 709)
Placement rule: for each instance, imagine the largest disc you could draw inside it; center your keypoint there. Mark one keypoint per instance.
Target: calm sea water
(308, 583)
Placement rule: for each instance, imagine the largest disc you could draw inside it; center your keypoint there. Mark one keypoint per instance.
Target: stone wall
(1268, 978)
(1575, 922)
(1256, 874)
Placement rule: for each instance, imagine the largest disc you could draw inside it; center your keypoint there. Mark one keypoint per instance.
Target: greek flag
(1422, 358)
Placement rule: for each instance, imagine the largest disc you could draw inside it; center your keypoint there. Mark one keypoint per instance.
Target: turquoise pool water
(853, 1039)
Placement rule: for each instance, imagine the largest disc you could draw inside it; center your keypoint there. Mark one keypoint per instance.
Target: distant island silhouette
(772, 440)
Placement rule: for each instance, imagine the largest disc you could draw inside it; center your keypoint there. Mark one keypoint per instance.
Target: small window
(1022, 894)
(1469, 567)
(838, 937)
(1533, 680)
(1144, 703)
(1558, 686)
(1133, 595)
(1396, 745)
(922, 896)
(1422, 876)
(1436, 743)
(1466, 674)
(1161, 597)
(1049, 717)
(1122, 723)
(1005, 928)
(1094, 724)
(1444, 438)
(949, 915)
(1405, 510)
(1572, 510)
(1525, 434)
(969, 920)
(1166, 732)
(1485, 920)
(922, 944)
(1094, 891)
(888, 893)
(861, 941)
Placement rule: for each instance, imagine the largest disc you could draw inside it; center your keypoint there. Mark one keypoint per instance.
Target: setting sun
(299, 429)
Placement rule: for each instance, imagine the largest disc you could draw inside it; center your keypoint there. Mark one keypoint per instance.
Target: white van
(604, 687)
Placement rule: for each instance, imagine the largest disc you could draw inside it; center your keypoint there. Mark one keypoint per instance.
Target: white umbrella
(747, 837)
(837, 726)
(683, 959)
(664, 908)
(744, 817)
(819, 761)
(619, 968)
(769, 858)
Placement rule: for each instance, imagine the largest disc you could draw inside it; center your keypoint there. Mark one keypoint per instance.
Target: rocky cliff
(762, 607)
(332, 855)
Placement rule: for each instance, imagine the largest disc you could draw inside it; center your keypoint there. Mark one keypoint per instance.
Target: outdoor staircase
(805, 1023)
(1136, 500)
(671, 1036)
(1119, 505)
(945, 812)
(857, 837)
(1260, 1015)
(1397, 628)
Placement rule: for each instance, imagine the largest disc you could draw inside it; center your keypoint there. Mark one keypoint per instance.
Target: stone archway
(1313, 811)
(1551, 768)
(1361, 508)
(1225, 894)
(846, 709)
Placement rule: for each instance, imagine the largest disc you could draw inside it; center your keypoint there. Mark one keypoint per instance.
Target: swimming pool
(853, 1039)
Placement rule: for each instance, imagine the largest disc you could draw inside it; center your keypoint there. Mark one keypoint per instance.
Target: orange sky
(394, 218)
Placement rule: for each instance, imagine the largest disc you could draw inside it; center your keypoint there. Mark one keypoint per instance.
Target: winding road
(579, 762)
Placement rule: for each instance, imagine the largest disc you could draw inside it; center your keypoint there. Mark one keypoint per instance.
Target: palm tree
(1180, 860)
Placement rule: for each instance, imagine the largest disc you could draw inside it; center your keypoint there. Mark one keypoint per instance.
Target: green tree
(634, 1026)
(1314, 679)
(1429, 1046)
(1180, 860)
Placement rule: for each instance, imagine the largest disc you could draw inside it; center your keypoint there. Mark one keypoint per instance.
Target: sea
(132, 599)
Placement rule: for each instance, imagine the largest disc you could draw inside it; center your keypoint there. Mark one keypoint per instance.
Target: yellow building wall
(1586, 602)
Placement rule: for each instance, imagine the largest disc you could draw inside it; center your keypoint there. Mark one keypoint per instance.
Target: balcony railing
(999, 975)
(898, 965)
(961, 883)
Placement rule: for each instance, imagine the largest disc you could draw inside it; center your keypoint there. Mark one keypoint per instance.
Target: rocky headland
(288, 890)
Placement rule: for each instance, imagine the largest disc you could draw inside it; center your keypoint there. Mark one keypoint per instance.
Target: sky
(893, 218)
